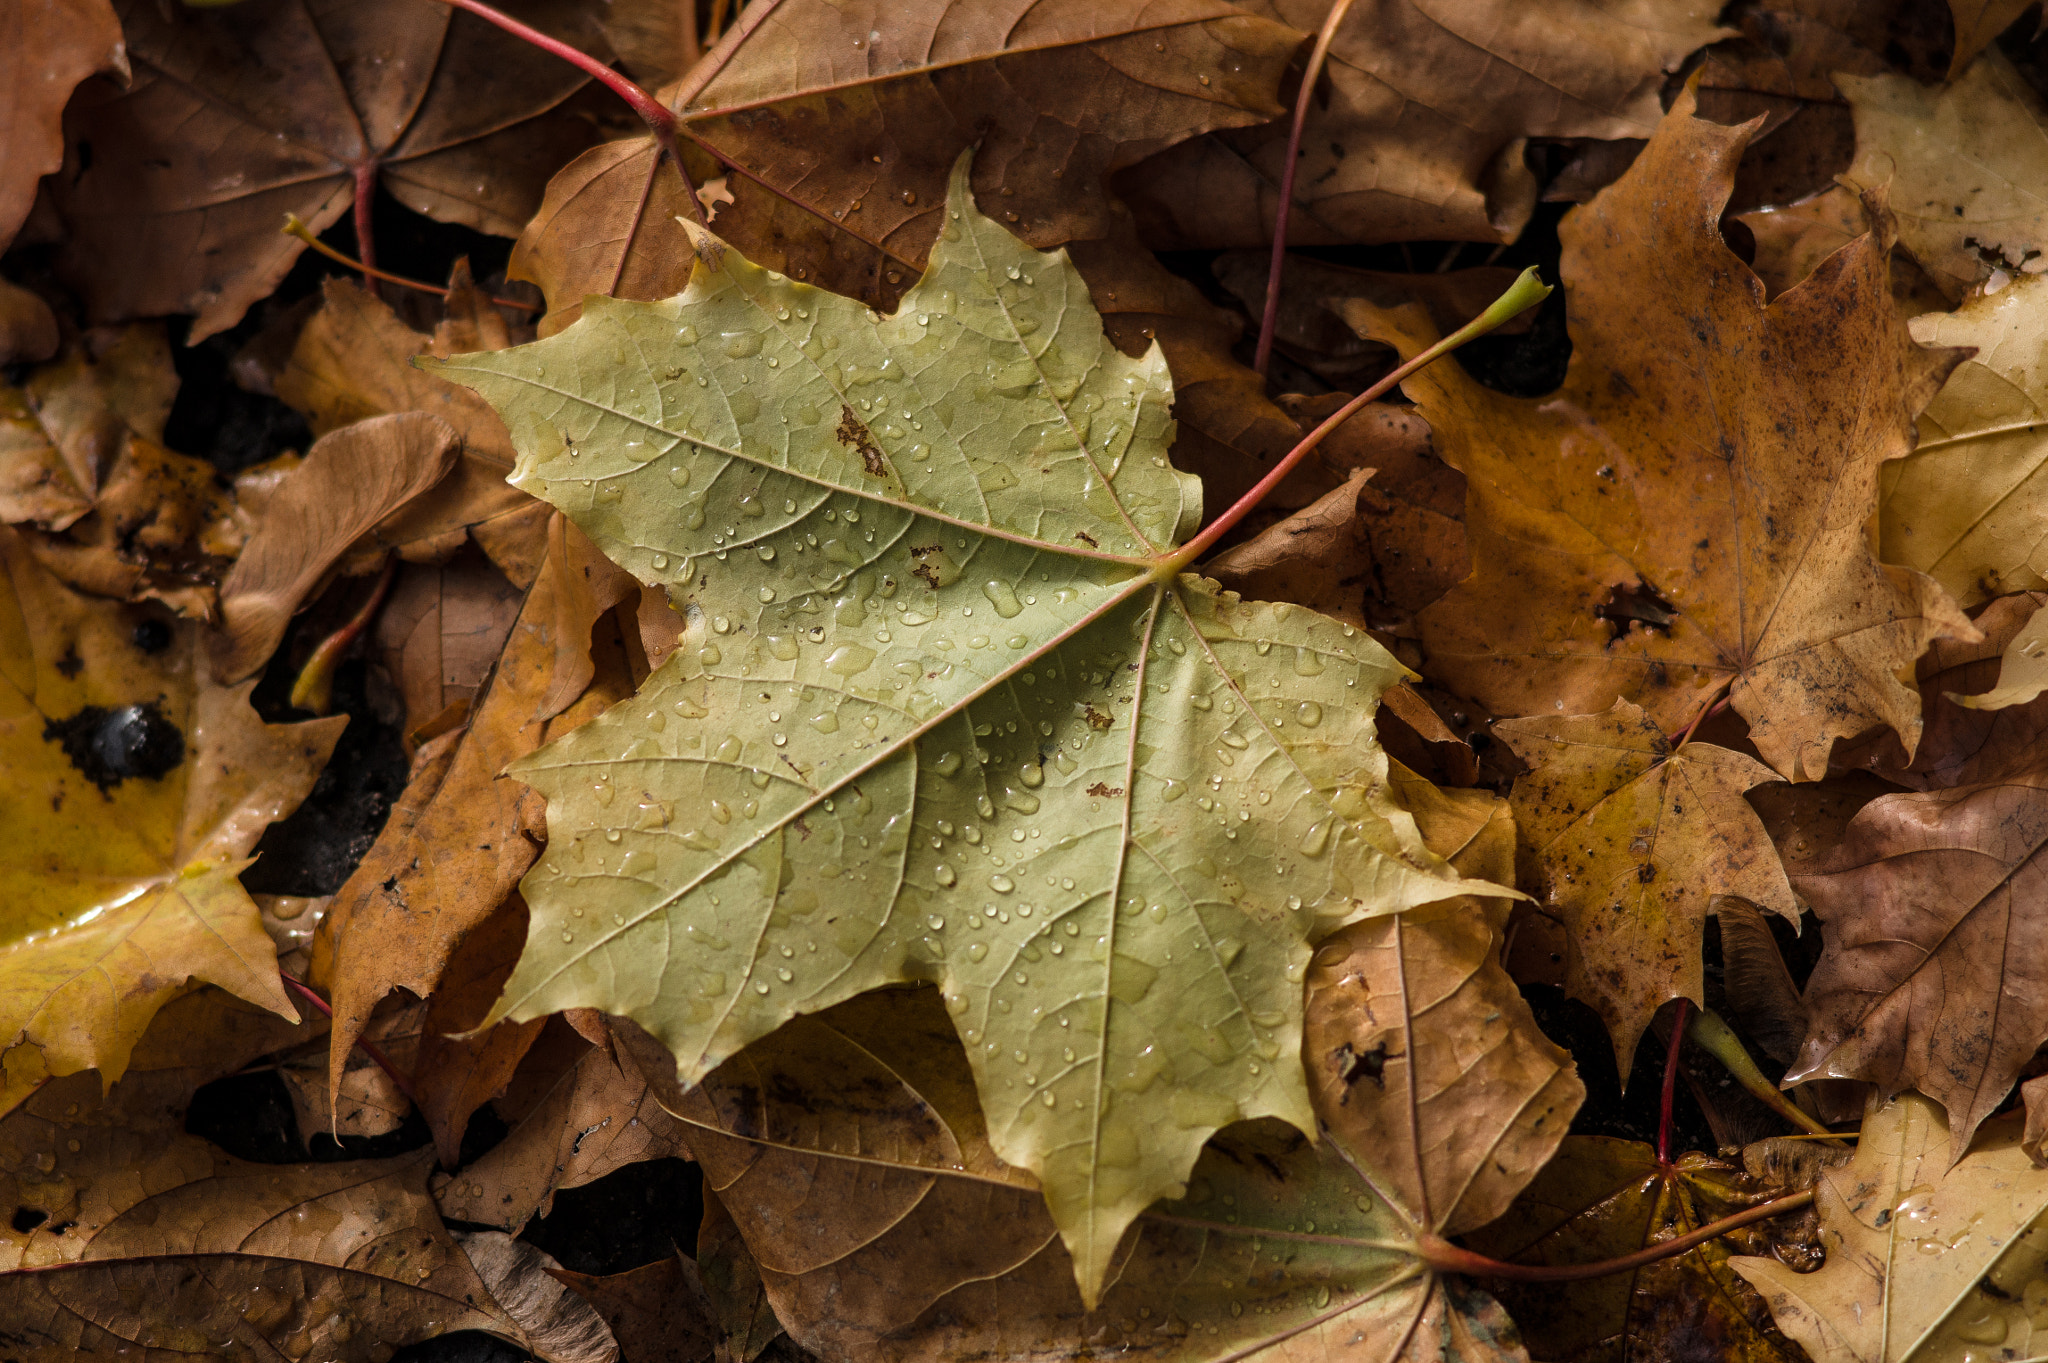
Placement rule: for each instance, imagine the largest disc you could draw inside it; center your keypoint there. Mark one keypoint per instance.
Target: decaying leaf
(848, 132)
(1972, 733)
(457, 842)
(1970, 505)
(1927, 1259)
(1978, 24)
(936, 542)
(559, 1325)
(2022, 675)
(459, 1070)
(1688, 510)
(46, 48)
(236, 117)
(658, 1313)
(145, 1235)
(597, 1118)
(351, 480)
(1934, 973)
(1626, 838)
(441, 631)
(1422, 133)
(1602, 1199)
(135, 789)
(1962, 164)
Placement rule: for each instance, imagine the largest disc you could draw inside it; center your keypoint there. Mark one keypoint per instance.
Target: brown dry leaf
(1969, 506)
(1927, 1259)
(350, 481)
(1688, 511)
(1601, 1199)
(122, 879)
(849, 134)
(352, 360)
(1963, 164)
(848, 141)
(457, 843)
(1429, 109)
(342, 1255)
(1320, 557)
(367, 1100)
(1967, 736)
(236, 117)
(658, 1313)
(2034, 1094)
(1934, 969)
(455, 1073)
(28, 329)
(1626, 840)
(64, 428)
(849, 1150)
(597, 1118)
(1373, 552)
(441, 630)
(46, 48)
(1978, 24)
(559, 1325)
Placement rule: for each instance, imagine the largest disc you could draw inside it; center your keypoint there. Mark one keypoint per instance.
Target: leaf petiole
(1714, 1036)
(1446, 1257)
(295, 226)
(1527, 291)
(1269, 320)
(369, 1047)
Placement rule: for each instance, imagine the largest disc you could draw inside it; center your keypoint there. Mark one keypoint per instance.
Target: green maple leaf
(946, 710)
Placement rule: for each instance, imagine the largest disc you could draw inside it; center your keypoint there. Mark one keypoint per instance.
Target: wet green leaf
(945, 711)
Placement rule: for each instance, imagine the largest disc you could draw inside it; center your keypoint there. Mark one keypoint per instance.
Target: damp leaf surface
(945, 711)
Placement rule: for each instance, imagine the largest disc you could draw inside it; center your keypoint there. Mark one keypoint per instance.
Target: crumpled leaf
(66, 425)
(1971, 733)
(1601, 1199)
(1688, 510)
(848, 129)
(351, 480)
(597, 1118)
(145, 1235)
(1371, 554)
(2022, 675)
(1962, 163)
(1925, 1261)
(1422, 133)
(135, 789)
(1934, 968)
(659, 1312)
(982, 519)
(46, 48)
(237, 116)
(1970, 505)
(1626, 838)
(457, 841)
(559, 1325)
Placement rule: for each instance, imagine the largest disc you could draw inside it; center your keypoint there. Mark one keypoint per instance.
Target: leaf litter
(839, 772)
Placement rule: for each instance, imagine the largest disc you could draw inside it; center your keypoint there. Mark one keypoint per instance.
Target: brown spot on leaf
(854, 434)
(1103, 788)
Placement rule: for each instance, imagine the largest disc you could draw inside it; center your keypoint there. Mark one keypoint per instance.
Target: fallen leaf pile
(690, 786)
